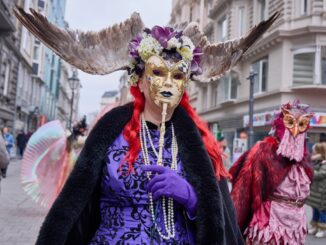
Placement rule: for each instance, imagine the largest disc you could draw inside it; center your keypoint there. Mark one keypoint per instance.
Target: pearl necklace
(168, 215)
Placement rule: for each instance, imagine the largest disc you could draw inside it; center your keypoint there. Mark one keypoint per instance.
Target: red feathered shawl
(255, 176)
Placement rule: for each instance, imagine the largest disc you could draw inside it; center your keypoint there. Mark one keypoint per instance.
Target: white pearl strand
(168, 216)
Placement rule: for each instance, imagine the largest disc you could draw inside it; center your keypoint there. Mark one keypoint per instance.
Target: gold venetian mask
(296, 124)
(166, 80)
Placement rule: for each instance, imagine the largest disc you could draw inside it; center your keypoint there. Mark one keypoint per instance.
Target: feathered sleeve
(241, 192)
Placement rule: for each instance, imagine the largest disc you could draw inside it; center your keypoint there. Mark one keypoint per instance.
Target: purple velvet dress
(125, 216)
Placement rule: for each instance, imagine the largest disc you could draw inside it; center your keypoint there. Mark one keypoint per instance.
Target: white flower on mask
(173, 43)
(148, 47)
(186, 41)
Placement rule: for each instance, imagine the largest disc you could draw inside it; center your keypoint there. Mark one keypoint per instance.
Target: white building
(290, 61)
(109, 98)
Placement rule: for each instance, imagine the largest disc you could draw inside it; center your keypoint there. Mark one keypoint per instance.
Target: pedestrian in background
(9, 142)
(4, 156)
(223, 144)
(21, 140)
(317, 198)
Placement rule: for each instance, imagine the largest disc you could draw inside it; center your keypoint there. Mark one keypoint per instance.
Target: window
(222, 29)
(303, 67)
(261, 68)
(204, 98)
(323, 64)
(304, 7)
(36, 53)
(241, 21)
(261, 9)
(214, 101)
(41, 4)
(190, 14)
(35, 68)
(228, 87)
(7, 79)
(209, 5)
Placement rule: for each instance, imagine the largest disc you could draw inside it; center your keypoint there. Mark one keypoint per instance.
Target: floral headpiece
(166, 42)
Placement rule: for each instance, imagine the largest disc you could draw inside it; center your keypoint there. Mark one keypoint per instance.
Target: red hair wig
(132, 129)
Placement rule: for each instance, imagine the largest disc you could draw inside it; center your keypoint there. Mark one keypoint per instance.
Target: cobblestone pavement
(20, 217)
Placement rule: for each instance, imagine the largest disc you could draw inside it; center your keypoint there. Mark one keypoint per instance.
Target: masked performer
(49, 159)
(148, 171)
(271, 182)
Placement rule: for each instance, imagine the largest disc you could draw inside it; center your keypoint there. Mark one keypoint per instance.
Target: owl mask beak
(294, 131)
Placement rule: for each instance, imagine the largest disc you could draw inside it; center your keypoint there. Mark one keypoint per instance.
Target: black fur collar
(74, 217)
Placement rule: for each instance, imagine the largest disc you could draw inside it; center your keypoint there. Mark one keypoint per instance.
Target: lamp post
(73, 84)
(251, 78)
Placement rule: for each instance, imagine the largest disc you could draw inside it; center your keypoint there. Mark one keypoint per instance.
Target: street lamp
(251, 77)
(73, 84)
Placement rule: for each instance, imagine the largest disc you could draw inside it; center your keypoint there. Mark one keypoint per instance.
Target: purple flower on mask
(163, 35)
(195, 67)
(133, 46)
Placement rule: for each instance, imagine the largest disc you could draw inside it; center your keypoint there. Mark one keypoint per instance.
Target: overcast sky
(97, 14)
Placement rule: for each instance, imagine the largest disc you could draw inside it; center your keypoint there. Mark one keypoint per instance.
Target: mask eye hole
(158, 73)
(289, 121)
(303, 124)
(178, 76)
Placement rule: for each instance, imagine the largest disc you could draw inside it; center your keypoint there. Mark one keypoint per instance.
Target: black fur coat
(75, 215)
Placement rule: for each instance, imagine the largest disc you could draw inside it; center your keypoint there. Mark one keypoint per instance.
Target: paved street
(20, 217)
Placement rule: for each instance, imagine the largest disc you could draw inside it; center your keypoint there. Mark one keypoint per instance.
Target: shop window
(261, 68)
(303, 67)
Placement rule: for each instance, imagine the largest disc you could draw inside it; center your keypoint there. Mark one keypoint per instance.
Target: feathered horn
(101, 52)
(219, 58)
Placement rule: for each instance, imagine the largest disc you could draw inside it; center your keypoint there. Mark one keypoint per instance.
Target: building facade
(29, 88)
(50, 67)
(63, 110)
(290, 61)
(9, 63)
(109, 98)
(43, 93)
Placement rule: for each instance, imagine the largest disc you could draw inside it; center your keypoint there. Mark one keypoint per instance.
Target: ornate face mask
(166, 80)
(296, 122)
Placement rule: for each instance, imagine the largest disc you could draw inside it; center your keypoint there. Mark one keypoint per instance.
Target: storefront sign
(318, 120)
(260, 119)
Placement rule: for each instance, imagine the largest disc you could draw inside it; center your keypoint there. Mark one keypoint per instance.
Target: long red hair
(132, 129)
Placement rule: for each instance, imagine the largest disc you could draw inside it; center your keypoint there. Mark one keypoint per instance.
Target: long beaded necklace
(168, 215)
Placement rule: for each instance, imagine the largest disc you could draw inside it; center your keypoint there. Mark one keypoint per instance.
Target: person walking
(317, 198)
(9, 142)
(21, 140)
(4, 157)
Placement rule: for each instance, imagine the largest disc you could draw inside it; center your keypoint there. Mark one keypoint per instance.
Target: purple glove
(169, 184)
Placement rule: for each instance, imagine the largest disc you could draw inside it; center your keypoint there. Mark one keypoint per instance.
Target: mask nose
(295, 131)
(168, 82)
